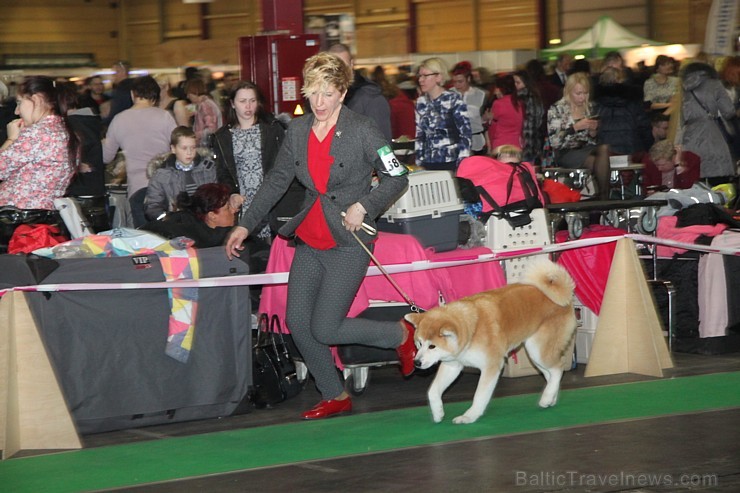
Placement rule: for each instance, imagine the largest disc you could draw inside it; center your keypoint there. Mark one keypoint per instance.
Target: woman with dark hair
(246, 147)
(41, 153)
(142, 132)
(206, 217)
(533, 125)
(507, 115)
(661, 86)
(704, 98)
(549, 92)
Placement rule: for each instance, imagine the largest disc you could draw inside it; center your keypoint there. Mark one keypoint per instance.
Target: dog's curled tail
(552, 279)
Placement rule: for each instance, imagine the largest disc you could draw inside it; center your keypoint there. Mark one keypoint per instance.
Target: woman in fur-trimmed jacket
(245, 148)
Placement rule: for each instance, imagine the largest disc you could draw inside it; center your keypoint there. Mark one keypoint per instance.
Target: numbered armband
(392, 166)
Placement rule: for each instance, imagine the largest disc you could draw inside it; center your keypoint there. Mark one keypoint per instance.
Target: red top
(506, 129)
(651, 175)
(314, 230)
(403, 116)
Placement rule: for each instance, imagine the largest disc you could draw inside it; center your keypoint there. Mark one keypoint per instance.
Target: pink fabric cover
(589, 266)
(493, 176)
(465, 280)
(667, 229)
(422, 286)
(714, 317)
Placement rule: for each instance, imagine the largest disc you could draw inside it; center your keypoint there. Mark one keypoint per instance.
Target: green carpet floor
(166, 459)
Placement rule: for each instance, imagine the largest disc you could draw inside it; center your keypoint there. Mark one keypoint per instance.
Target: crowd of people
(574, 115)
(198, 155)
(566, 115)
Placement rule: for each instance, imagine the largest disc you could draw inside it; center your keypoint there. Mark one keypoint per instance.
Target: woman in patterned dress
(661, 86)
(247, 145)
(39, 157)
(245, 150)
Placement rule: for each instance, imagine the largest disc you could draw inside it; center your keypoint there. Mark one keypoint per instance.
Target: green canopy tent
(604, 36)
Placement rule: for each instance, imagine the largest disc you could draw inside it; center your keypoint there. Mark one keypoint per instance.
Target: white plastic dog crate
(429, 210)
(585, 330)
(500, 235)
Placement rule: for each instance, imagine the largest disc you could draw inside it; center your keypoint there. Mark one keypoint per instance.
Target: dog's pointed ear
(413, 318)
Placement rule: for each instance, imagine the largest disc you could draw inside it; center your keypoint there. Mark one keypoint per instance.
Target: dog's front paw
(548, 400)
(465, 420)
(545, 403)
(438, 414)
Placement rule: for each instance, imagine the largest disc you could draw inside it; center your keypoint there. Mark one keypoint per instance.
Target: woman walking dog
(333, 153)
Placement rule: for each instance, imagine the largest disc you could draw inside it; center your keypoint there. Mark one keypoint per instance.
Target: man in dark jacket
(562, 70)
(365, 96)
(94, 94)
(120, 98)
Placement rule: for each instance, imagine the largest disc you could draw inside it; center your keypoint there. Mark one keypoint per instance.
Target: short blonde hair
(436, 65)
(323, 70)
(663, 149)
(507, 150)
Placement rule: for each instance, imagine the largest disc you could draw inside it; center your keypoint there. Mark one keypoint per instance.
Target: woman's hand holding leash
(353, 219)
(235, 240)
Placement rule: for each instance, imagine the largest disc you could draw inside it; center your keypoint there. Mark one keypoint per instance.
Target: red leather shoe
(407, 350)
(326, 409)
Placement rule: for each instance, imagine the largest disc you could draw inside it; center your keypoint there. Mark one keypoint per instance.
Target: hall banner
(719, 38)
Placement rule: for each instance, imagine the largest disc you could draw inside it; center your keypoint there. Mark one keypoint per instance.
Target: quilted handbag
(274, 373)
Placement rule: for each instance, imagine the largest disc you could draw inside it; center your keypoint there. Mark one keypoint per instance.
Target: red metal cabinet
(274, 62)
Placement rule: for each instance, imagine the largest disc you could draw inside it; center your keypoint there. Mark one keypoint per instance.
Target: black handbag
(274, 373)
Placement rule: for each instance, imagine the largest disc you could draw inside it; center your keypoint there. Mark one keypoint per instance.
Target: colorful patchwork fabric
(119, 242)
(179, 260)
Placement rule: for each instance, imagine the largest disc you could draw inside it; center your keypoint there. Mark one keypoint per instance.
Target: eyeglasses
(424, 76)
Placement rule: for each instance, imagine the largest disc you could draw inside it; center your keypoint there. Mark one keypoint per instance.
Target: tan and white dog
(480, 330)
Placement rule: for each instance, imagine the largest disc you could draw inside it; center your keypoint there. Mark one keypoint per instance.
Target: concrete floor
(696, 452)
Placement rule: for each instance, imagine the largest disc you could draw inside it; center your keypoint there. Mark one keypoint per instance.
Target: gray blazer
(354, 148)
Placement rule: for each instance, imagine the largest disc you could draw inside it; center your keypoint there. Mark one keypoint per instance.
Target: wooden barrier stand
(33, 413)
(629, 336)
